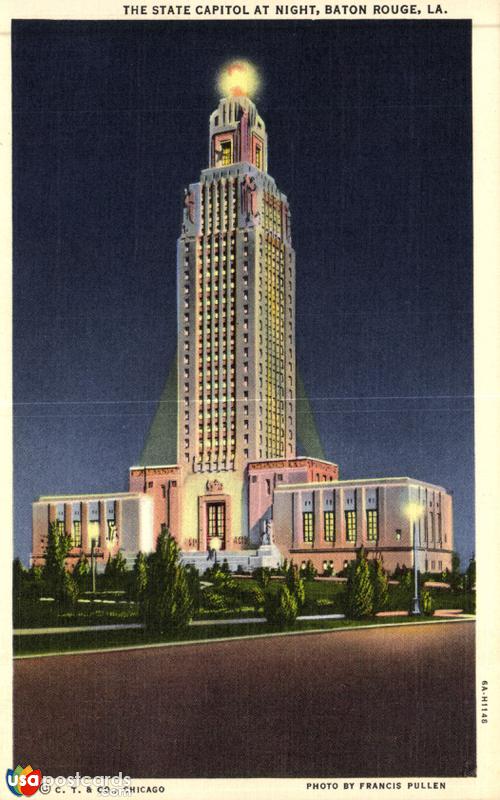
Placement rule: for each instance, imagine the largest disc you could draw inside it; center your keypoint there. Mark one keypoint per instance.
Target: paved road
(387, 702)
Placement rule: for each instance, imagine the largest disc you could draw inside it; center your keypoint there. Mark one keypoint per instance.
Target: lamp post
(414, 511)
(215, 545)
(93, 555)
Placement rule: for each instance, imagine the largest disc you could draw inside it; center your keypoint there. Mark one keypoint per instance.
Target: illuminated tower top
(237, 132)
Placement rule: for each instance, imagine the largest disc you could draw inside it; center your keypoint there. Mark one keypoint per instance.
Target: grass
(102, 640)
(42, 614)
(322, 597)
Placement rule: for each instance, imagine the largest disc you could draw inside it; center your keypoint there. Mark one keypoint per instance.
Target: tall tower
(236, 326)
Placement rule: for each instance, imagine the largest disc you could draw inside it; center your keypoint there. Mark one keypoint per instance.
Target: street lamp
(414, 511)
(215, 545)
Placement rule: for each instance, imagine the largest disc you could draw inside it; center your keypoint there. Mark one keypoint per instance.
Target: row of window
(218, 198)
(93, 532)
(274, 316)
(351, 523)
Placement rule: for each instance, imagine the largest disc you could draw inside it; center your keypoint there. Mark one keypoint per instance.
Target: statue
(189, 205)
(267, 535)
(249, 197)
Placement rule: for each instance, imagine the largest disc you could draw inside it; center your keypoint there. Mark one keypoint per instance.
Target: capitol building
(237, 483)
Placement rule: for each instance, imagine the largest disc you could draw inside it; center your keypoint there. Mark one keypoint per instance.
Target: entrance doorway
(216, 523)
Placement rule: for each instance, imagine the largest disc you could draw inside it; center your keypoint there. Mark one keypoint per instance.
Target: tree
(68, 593)
(81, 571)
(359, 588)
(115, 571)
(470, 576)
(455, 577)
(34, 582)
(167, 605)
(281, 607)
(54, 571)
(140, 575)
(18, 577)
(193, 579)
(295, 584)
(380, 585)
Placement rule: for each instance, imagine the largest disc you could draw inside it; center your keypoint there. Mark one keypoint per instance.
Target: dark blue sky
(369, 129)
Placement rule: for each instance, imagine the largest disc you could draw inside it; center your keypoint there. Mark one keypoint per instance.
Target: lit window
(329, 526)
(226, 148)
(308, 526)
(258, 157)
(350, 526)
(372, 524)
(76, 533)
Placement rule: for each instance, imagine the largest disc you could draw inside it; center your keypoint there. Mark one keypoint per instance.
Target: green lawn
(89, 640)
(322, 597)
(42, 614)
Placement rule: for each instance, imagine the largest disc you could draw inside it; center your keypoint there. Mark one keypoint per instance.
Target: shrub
(140, 579)
(213, 573)
(81, 572)
(213, 601)
(323, 604)
(67, 595)
(470, 576)
(54, 570)
(295, 584)
(19, 574)
(427, 604)
(281, 608)
(359, 600)
(168, 605)
(380, 585)
(263, 576)
(308, 571)
(115, 571)
(193, 580)
(33, 583)
(230, 591)
(257, 598)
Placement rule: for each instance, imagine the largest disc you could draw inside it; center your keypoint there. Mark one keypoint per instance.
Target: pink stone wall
(163, 484)
(265, 476)
(395, 536)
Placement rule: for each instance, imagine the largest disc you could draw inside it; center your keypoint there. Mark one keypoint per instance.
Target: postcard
(251, 388)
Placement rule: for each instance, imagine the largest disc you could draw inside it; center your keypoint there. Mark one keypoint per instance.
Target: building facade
(236, 328)
(326, 524)
(102, 524)
(238, 481)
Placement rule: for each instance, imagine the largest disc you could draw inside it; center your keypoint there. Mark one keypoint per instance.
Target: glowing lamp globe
(414, 511)
(238, 79)
(215, 543)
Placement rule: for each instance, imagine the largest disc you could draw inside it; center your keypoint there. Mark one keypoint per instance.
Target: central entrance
(214, 517)
(216, 523)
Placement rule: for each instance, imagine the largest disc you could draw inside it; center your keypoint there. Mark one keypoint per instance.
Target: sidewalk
(443, 613)
(138, 625)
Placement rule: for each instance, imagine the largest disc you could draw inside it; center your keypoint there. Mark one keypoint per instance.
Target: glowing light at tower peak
(238, 78)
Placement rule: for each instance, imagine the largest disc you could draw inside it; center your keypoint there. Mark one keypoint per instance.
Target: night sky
(369, 129)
